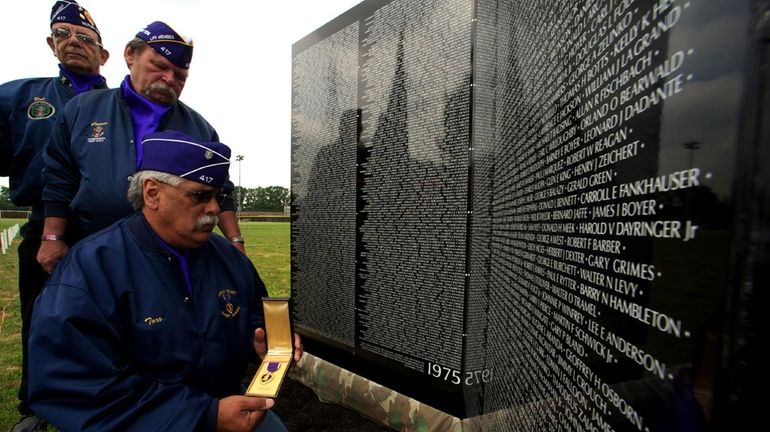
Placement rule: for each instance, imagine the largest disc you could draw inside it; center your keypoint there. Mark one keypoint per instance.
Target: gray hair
(135, 189)
(137, 45)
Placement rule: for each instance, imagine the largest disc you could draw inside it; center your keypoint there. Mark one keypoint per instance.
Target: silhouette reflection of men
(327, 225)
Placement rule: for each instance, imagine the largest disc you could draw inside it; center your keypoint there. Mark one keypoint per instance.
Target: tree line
(270, 198)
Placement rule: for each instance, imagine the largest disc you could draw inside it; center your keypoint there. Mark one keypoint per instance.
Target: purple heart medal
(268, 376)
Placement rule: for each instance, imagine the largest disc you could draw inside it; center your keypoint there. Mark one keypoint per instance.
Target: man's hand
(260, 344)
(298, 348)
(242, 413)
(50, 253)
(228, 225)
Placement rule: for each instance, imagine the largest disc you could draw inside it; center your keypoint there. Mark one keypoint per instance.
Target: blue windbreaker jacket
(118, 344)
(91, 157)
(29, 109)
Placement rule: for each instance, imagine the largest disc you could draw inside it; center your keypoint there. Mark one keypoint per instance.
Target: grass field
(267, 245)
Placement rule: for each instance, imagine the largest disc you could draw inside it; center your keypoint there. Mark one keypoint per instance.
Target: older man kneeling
(150, 323)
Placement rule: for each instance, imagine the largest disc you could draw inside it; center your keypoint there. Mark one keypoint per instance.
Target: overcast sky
(240, 76)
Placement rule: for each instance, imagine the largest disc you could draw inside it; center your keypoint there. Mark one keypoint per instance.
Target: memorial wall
(540, 214)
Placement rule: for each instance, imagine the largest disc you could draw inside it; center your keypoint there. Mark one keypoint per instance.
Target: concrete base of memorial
(333, 384)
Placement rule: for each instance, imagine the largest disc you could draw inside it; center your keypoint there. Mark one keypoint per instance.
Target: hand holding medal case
(280, 349)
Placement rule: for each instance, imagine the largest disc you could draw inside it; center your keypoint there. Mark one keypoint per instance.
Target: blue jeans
(271, 423)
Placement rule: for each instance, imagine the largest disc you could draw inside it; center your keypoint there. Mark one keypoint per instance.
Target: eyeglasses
(64, 34)
(201, 196)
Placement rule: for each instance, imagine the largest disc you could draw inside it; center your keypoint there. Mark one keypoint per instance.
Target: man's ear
(151, 194)
(128, 56)
(51, 44)
(104, 56)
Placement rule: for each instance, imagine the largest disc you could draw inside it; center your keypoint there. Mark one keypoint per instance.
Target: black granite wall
(541, 212)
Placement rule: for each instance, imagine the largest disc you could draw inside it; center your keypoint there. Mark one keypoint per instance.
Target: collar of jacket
(141, 230)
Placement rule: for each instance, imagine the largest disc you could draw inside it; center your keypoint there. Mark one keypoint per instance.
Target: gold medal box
(280, 348)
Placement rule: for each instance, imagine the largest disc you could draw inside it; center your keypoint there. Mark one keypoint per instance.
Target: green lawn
(267, 245)
(10, 332)
(6, 223)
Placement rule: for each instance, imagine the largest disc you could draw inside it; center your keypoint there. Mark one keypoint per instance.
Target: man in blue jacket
(29, 109)
(96, 146)
(150, 324)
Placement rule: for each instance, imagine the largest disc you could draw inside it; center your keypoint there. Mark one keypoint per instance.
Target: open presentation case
(280, 348)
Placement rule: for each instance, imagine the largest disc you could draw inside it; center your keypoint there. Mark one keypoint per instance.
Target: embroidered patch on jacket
(227, 308)
(40, 109)
(97, 132)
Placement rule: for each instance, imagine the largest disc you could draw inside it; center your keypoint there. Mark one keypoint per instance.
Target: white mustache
(206, 220)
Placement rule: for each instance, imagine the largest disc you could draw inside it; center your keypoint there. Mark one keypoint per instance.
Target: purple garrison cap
(175, 153)
(166, 42)
(70, 11)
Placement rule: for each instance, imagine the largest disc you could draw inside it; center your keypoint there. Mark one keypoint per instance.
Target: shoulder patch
(40, 109)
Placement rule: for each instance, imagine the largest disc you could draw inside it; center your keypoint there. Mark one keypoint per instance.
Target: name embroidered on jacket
(153, 320)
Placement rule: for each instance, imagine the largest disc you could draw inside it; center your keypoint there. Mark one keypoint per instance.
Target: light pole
(239, 158)
(692, 146)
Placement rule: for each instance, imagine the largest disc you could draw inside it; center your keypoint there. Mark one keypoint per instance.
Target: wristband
(238, 239)
(52, 237)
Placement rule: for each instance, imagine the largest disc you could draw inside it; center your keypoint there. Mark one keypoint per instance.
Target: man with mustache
(150, 323)
(29, 109)
(96, 147)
